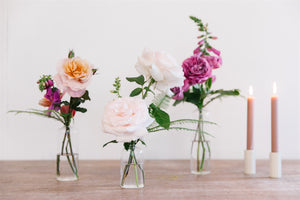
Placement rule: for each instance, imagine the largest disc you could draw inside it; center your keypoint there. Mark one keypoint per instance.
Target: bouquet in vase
(73, 76)
(131, 118)
(198, 73)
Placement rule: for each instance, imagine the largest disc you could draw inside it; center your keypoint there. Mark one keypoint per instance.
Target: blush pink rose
(73, 76)
(127, 118)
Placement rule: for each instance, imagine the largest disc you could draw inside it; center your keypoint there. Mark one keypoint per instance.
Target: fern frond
(154, 125)
(162, 101)
(189, 121)
(179, 129)
(42, 113)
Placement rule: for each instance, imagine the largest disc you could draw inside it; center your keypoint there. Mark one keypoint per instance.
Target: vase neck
(200, 132)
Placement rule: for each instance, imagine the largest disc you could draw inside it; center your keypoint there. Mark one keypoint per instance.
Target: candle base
(250, 163)
(275, 165)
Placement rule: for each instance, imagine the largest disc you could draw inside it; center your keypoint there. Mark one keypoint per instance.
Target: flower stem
(135, 169)
(63, 142)
(201, 139)
(72, 154)
(126, 169)
(69, 160)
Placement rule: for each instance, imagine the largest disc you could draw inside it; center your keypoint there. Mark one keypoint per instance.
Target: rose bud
(65, 109)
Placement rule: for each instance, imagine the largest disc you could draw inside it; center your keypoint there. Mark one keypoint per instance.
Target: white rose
(126, 118)
(162, 67)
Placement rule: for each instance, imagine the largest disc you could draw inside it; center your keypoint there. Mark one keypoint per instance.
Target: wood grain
(32, 180)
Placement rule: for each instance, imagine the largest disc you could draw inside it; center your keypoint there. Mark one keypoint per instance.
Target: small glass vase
(200, 150)
(132, 171)
(67, 157)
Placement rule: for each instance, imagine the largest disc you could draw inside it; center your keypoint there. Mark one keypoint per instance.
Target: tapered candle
(250, 107)
(274, 133)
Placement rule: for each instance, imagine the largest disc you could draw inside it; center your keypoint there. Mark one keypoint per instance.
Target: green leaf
(94, 71)
(113, 141)
(142, 142)
(86, 96)
(75, 101)
(126, 145)
(79, 109)
(196, 20)
(65, 102)
(136, 92)
(160, 116)
(71, 54)
(208, 83)
(139, 80)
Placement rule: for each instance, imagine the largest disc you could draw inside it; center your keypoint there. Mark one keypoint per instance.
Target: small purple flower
(54, 98)
(48, 83)
(178, 93)
(196, 69)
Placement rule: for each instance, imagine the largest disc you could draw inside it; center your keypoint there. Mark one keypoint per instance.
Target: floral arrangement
(73, 76)
(131, 118)
(198, 73)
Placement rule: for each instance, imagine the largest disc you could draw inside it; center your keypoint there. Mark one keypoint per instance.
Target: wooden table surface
(163, 180)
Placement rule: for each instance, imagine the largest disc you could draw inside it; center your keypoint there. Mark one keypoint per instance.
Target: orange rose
(73, 76)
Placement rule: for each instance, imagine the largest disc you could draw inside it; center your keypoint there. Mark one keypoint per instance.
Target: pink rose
(196, 69)
(127, 118)
(73, 76)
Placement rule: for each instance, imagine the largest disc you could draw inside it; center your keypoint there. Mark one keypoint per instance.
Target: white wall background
(260, 43)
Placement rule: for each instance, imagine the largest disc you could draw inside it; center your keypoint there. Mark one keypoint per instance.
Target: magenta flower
(196, 69)
(197, 50)
(215, 51)
(178, 93)
(214, 62)
(48, 83)
(54, 98)
(201, 42)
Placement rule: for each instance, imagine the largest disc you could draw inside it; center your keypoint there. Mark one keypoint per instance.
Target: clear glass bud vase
(67, 156)
(200, 151)
(132, 171)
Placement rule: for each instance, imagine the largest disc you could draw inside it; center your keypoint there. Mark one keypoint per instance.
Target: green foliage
(180, 125)
(139, 140)
(44, 113)
(162, 101)
(113, 141)
(136, 92)
(160, 116)
(139, 80)
(42, 82)
(86, 96)
(117, 86)
(201, 95)
(71, 54)
(94, 71)
(79, 109)
(196, 20)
